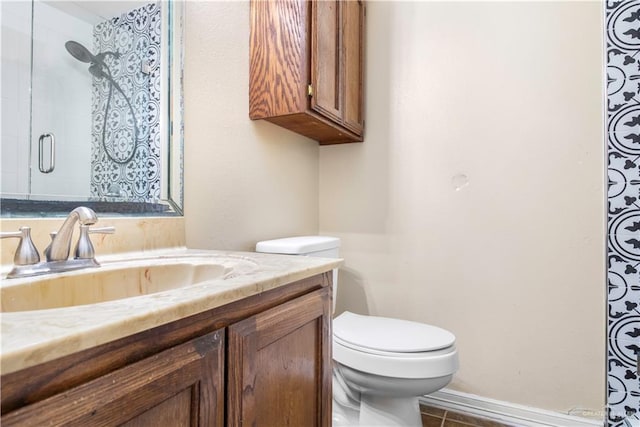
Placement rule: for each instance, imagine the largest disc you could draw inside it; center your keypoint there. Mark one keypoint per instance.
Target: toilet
(381, 365)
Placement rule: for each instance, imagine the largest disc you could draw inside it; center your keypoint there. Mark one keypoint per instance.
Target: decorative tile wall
(135, 36)
(623, 152)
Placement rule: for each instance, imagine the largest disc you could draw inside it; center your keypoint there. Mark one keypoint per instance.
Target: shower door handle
(52, 153)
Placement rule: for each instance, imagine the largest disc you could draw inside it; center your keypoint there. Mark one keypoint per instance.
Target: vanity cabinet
(263, 361)
(307, 67)
(182, 386)
(277, 366)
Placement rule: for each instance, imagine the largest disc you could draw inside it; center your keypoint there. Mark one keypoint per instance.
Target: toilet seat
(390, 335)
(417, 350)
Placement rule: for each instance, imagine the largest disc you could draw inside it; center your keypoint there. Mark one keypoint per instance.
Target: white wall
(244, 181)
(510, 259)
(476, 202)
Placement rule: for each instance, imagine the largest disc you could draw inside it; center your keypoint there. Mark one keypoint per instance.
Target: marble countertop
(33, 337)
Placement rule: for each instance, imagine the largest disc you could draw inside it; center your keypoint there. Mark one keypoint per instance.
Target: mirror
(91, 107)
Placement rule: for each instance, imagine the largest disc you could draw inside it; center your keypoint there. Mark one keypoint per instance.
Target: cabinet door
(279, 365)
(353, 60)
(278, 58)
(326, 75)
(337, 57)
(182, 386)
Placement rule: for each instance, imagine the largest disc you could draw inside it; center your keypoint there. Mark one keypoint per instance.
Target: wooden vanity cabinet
(181, 386)
(307, 67)
(261, 361)
(277, 366)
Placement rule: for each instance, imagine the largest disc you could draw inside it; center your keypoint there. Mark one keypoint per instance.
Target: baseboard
(504, 412)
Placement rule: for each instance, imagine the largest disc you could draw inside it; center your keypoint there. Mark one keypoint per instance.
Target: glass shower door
(60, 106)
(15, 89)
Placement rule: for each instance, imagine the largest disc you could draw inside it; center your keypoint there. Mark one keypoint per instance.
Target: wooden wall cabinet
(307, 67)
(263, 361)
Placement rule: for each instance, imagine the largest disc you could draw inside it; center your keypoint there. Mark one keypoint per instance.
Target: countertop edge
(34, 337)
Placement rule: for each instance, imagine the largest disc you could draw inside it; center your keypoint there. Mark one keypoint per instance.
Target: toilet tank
(315, 246)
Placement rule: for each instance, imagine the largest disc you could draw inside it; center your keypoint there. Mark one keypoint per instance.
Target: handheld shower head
(97, 71)
(83, 54)
(98, 68)
(80, 52)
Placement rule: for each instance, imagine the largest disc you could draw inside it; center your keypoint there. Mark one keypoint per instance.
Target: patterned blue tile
(623, 127)
(623, 384)
(623, 390)
(623, 380)
(624, 234)
(623, 282)
(619, 309)
(623, 170)
(125, 135)
(623, 190)
(624, 414)
(626, 351)
(622, 74)
(622, 24)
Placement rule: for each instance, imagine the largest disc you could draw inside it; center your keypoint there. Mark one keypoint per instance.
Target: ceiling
(95, 11)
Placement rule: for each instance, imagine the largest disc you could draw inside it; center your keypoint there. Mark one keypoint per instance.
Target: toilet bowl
(381, 365)
(384, 365)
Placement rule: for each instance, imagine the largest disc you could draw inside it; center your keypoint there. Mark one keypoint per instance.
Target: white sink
(117, 280)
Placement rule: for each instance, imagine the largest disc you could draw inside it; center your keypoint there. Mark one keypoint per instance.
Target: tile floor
(436, 417)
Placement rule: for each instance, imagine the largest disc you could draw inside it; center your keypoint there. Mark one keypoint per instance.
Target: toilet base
(390, 411)
(353, 407)
(379, 411)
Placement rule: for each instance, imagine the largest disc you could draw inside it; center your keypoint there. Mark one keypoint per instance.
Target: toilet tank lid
(392, 335)
(298, 245)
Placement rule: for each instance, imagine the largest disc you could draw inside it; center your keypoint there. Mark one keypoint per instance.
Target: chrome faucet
(27, 261)
(60, 245)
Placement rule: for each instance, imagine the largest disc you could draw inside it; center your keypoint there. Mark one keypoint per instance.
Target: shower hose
(113, 84)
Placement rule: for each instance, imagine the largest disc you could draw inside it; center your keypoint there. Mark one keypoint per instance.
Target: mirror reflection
(91, 96)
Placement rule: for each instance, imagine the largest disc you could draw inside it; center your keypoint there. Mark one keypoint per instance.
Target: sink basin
(117, 280)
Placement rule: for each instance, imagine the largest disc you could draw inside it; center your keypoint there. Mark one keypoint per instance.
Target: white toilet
(382, 365)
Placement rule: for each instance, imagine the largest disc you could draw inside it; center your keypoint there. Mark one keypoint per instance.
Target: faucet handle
(84, 248)
(52, 234)
(26, 252)
(102, 230)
